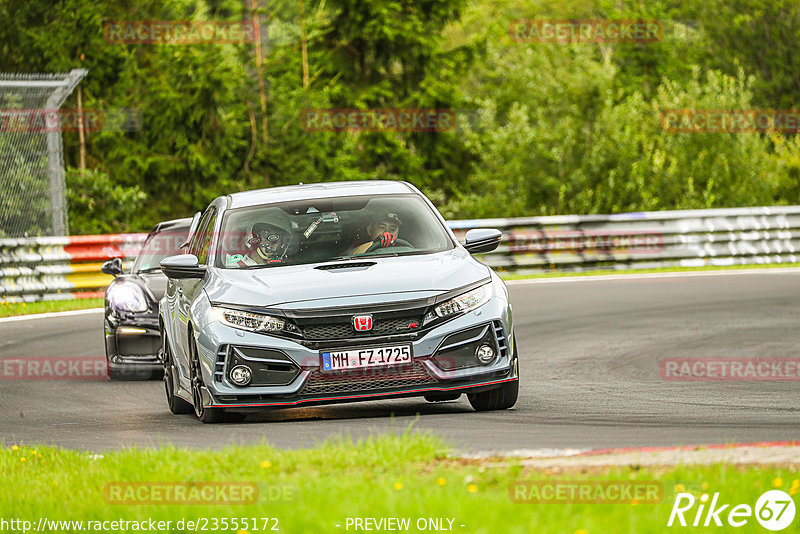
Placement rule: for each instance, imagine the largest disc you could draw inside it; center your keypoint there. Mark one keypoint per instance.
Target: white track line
(632, 276)
(49, 315)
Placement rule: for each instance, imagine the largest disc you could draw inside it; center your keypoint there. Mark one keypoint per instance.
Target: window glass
(204, 242)
(328, 229)
(158, 246)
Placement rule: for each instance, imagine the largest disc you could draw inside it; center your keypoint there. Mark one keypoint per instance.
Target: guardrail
(56, 268)
(688, 238)
(69, 267)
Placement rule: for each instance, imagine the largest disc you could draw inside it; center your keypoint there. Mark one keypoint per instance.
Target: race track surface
(589, 354)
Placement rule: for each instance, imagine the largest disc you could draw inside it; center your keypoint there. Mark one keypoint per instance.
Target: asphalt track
(590, 377)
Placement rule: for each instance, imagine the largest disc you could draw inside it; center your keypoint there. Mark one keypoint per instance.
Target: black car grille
(345, 330)
(408, 376)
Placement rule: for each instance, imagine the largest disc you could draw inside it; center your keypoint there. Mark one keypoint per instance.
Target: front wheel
(176, 404)
(203, 413)
(501, 398)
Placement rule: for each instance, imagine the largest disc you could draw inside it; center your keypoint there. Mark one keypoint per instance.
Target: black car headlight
(472, 299)
(250, 321)
(127, 297)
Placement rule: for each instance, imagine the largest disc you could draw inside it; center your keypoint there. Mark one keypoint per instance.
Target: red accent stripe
(373, 395)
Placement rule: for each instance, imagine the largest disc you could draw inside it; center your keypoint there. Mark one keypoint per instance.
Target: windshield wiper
(385, 255)
(341, 258)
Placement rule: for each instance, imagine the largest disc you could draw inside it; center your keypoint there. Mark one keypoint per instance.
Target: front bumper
(133, 343)
(441, 364)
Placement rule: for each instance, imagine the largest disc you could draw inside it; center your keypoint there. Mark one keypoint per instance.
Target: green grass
(9, 309)
(558, 274)
(408, 475)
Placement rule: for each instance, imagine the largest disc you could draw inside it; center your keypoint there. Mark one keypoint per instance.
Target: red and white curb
(764, 452)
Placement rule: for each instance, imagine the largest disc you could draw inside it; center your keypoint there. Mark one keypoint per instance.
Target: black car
(132, 337)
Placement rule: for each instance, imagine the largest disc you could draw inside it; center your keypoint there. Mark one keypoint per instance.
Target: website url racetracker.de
(201, 524)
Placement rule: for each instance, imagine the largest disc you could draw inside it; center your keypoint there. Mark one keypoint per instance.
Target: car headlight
(127, 297)
(463, 303)
(252, 322)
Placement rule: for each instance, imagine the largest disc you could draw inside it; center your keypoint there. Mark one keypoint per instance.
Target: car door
(186, 290)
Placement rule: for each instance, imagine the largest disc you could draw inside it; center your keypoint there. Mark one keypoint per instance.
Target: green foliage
(544, 128)
(575, 128)
(98, 204)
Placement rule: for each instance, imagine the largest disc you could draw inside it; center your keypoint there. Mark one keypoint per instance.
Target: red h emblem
(362, 323)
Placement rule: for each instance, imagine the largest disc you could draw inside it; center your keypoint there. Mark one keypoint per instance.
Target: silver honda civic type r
(335, 292)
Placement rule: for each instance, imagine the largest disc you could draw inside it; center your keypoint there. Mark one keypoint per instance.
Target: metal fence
(32, 190)
(69, 267)
(57, 268)
(688, 238)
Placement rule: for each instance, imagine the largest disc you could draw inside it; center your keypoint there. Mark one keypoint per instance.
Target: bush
(97, 205)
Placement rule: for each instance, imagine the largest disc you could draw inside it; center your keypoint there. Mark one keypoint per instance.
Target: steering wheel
(397, 242)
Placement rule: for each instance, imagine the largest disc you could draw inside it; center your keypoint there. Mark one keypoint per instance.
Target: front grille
(368, 380)
(344, 330)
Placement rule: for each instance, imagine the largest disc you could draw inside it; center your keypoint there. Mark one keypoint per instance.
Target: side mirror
(482, 240)
(112, 266)
(183, 266)
(192, 228)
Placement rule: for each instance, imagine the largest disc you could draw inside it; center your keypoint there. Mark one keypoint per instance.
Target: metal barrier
(689, 238)
(46, 268)
(57, 268)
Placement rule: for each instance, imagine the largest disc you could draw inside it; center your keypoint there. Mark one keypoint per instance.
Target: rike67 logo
(774, 510)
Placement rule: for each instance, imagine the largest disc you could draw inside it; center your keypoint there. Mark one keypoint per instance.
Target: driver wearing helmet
(268, 245)
(382, 232)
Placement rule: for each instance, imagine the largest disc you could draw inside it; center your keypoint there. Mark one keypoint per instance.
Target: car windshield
(158, 246)
(329, 229)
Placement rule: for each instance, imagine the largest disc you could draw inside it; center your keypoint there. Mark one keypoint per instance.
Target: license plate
(366, 357)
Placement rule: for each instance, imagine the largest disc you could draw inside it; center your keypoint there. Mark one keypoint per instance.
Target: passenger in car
(268, 246)
(382, 229)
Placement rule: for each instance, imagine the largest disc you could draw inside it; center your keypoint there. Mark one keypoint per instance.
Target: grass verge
(317, 490)
(9, 309)
(515, 276)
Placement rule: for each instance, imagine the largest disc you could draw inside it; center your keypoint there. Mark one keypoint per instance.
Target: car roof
(292, 193)
(174, 223)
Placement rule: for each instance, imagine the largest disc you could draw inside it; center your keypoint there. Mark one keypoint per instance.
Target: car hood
(307, 286)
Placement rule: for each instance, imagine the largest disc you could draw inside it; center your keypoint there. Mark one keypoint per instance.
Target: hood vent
(355, 265)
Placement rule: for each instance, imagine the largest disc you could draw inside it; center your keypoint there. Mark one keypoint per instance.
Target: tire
(177, 405)
(501, 398)
(203, 413)
(131, 374)
(441, 397)
(114, 374)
